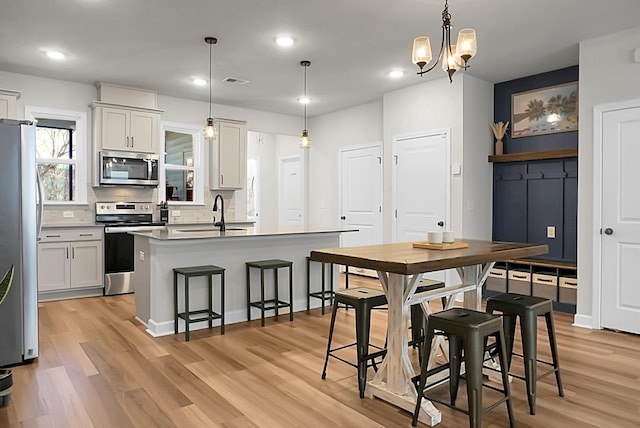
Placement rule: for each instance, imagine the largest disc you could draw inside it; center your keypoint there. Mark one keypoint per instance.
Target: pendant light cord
(210, 79)
(305, 95)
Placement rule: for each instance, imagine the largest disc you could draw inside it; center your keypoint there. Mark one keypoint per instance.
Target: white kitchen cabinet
(9, 104)
(70, 258)
(53, 266)
(228, 161)
(126, 129)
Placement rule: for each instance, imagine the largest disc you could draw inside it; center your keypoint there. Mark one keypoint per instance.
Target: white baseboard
(583, 321)
(165, 328)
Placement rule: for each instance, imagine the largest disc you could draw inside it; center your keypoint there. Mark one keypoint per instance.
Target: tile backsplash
(85, 214)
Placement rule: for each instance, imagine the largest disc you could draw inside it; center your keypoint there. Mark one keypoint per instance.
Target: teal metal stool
(269, 304)
(199, 315)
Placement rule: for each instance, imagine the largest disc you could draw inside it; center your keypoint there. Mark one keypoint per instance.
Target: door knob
(608, 231)
(441, 223)
(343, 218)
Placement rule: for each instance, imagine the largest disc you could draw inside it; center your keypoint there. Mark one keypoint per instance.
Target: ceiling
(352, 44)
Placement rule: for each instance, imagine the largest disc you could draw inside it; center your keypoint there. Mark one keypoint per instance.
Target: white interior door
(421, 186)
(290, 196)
(361, 196)
(620, 239)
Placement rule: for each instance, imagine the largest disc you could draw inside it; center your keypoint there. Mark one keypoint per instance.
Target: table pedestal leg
(392, 382)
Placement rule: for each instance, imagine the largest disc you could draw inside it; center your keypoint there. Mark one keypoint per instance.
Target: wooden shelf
(525, 156)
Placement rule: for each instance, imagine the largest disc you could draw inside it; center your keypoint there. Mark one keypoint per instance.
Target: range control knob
(146, 207)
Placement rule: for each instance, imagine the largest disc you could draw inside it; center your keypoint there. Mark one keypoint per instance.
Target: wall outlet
(67, 214)
(551, 232)
(175, 213)
(141, 254)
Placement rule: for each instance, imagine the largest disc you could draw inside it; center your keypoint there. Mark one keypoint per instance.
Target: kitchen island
(157, 253)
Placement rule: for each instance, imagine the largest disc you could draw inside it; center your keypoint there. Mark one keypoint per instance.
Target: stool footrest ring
(270, 304)
(191, 319)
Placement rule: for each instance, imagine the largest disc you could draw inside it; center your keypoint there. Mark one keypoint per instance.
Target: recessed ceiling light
(284, 41)
(199, 82)
(396, 74)
(57, 55)
(304, 100)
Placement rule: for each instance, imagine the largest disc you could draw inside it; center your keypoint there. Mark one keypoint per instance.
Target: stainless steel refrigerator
(20, 225)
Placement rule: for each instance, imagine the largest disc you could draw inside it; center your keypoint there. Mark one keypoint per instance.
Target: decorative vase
(499, 147)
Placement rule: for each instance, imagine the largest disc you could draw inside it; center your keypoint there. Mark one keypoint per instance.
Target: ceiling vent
(235, 80)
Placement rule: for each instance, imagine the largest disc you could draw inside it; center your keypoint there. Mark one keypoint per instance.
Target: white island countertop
(209, 232)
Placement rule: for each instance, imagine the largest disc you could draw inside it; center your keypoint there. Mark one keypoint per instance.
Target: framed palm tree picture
(545, 110)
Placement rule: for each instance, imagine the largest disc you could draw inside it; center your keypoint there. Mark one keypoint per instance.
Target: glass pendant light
(305, 140)
(209, 128)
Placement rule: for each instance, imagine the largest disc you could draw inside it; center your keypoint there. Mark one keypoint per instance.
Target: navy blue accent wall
(502, 111)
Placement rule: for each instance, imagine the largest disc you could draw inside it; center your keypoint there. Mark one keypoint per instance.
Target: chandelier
(305, 140)
(209, 128)
(452, 57)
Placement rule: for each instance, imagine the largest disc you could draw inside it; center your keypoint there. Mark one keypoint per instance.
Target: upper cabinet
(8, 104)
(126, 129)
(126, 119)
(228, 155)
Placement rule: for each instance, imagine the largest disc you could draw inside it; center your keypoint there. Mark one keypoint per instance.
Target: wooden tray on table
(455, 245)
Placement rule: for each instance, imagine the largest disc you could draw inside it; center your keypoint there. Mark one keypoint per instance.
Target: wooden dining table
(400, 267)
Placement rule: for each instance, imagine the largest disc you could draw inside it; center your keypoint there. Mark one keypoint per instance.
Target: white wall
(436, 104)
(477, 189)
(430, 105)
(607, 74)
(357, 125)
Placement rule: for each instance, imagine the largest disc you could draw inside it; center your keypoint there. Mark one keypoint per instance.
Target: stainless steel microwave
(128, 169)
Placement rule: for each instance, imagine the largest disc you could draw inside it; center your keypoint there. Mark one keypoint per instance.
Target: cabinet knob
(441, 223)
(608, 231)
(342, 217)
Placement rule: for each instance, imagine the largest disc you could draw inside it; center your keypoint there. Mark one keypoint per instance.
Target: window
(181, 168)
(61, 145)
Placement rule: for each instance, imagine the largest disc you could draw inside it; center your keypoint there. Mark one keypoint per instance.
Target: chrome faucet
(215, 208)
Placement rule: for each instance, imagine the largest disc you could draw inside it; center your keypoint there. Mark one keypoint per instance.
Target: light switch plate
(551, 232)
(175, 213)
(67, 214)
(141, 256)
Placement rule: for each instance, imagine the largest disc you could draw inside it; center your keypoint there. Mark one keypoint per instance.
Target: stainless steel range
(120, 218)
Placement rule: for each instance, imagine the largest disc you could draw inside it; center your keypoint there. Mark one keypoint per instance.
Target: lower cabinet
(70, 258)
(550, 280)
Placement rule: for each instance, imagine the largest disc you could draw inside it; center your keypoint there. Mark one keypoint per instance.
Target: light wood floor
(98, 368)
